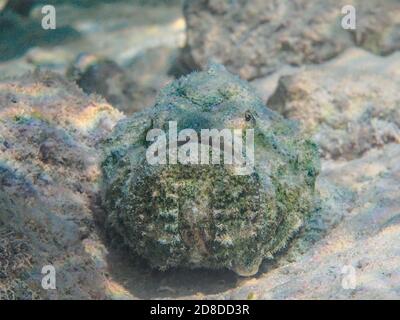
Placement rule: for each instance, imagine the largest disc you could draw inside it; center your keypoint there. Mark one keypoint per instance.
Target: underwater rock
(177, 215)
(132, 87)
(255, 38)
(96, 75)
(49, 169)
(148, 72)
(354, 109)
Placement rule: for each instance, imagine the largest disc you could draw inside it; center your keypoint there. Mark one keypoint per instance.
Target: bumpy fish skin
(193, 216)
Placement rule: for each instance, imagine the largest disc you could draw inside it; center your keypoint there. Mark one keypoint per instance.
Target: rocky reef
(48, 171)
(204, 215)
(354, 109)
(131, 87)
(255, 38)
(77, 191)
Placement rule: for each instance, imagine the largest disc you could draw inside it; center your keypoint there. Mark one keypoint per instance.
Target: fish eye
(248, 116)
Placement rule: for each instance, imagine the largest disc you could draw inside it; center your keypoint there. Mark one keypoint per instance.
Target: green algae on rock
(194, 216)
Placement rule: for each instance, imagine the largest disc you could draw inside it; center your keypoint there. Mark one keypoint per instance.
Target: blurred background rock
(140, 39)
